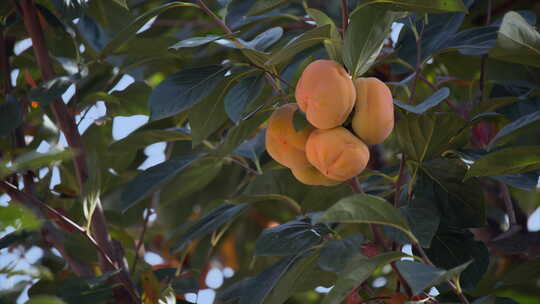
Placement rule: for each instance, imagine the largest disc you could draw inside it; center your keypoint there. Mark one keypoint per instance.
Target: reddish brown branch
(344, 16)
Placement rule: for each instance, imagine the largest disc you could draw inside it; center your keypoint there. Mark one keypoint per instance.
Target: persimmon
(373, 118)
(312, 176)
(325, 92)
(337, 153)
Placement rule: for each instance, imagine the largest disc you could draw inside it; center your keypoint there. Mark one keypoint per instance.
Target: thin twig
(344, 16)
(245, 166)
(153, 202)
(355, 185)
(400, 180)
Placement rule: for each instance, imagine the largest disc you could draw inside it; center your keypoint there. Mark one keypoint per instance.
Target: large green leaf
(131, 29)
(44, 299)
(152, 179)
(421, 6)
(289, 238)
(145, 137)
(241, 132)
(243, 94)
(17, 216)
(367, 209)
(368, 28)
(182, 90)
(517, 41)
(262, 6)
(208, 223)
(358, 270)
(520, 125)
(333, 46)
(298, 44)
(506, 161)
(50, 90)
(423, 222)
(132, 100)
(423, 137)
(336, 253)
(421, 276)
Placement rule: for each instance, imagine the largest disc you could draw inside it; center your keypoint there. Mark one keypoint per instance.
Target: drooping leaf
(368, 209)
(517, 41)
(287, 239)
(516, 127)
(421, 6)
(152, 179)
(427, 104)
(507, 161)
(11, 115)
(421, 276)
(196, 41)
(333, 46)
(336, 253)
(368, 28)
(34, 160)
(208, 223)
(358, 270)
(298, 44)
(253, 148)
(184, 89)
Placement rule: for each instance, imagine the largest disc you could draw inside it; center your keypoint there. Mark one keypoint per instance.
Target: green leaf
(182, 90)
(333, 46)
(18, 217)
(368, 28)
(423, 222)
(336, 253)
(11, 116)
(430, 102)
(34, 160)
(420, 6)
(517, 41)
(366, 209)
(185, 285)
(421, 276)
(152, 179)
(196, 41)
(520, 125)
(145, 137)
(208, 223)
(506, 161)
(450, 250)
(44, 299)
(423, 137)
(50, 90)
(87, 290)
(523, 273)
(287, 239)
(131, 29)
(132, 100)
(300, 43)
(242, 95)
(358, 270)
(241, 132)
(122, 3)
(263, 6)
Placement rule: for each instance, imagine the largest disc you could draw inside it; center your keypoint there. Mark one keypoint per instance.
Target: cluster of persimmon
(325, 152)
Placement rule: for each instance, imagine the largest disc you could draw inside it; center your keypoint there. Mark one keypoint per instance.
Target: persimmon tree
(441, 212)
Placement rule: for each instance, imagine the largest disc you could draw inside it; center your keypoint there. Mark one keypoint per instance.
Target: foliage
(456, 181)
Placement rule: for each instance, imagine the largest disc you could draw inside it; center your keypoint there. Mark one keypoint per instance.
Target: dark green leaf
(242, 95)
(423, 222)
(450, 250)
(368, 209)
(182, 90)
(300, 43)
(423, 137)
(87, 290)
(368, 28)
(50, 90)
(517, 41)
(333, 47)
(506, 161)
(336, 253)
(263, 6)
(523, 274)
(208, 223)
(358, 270)
(427, 104)
(264, 40)
(421, 276)
(70, 9)
(13, 238)
(241, 132)
(520, 125)
(131, 29)
(42, 299)
(196, 41)
(152, 179)
(145, 137)
(253, 148)
(421, 6)
(122, 3)
(11, 115)
(185, 285)
(288, 239)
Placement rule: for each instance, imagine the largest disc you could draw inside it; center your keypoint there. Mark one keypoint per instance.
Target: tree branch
(344, 16)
